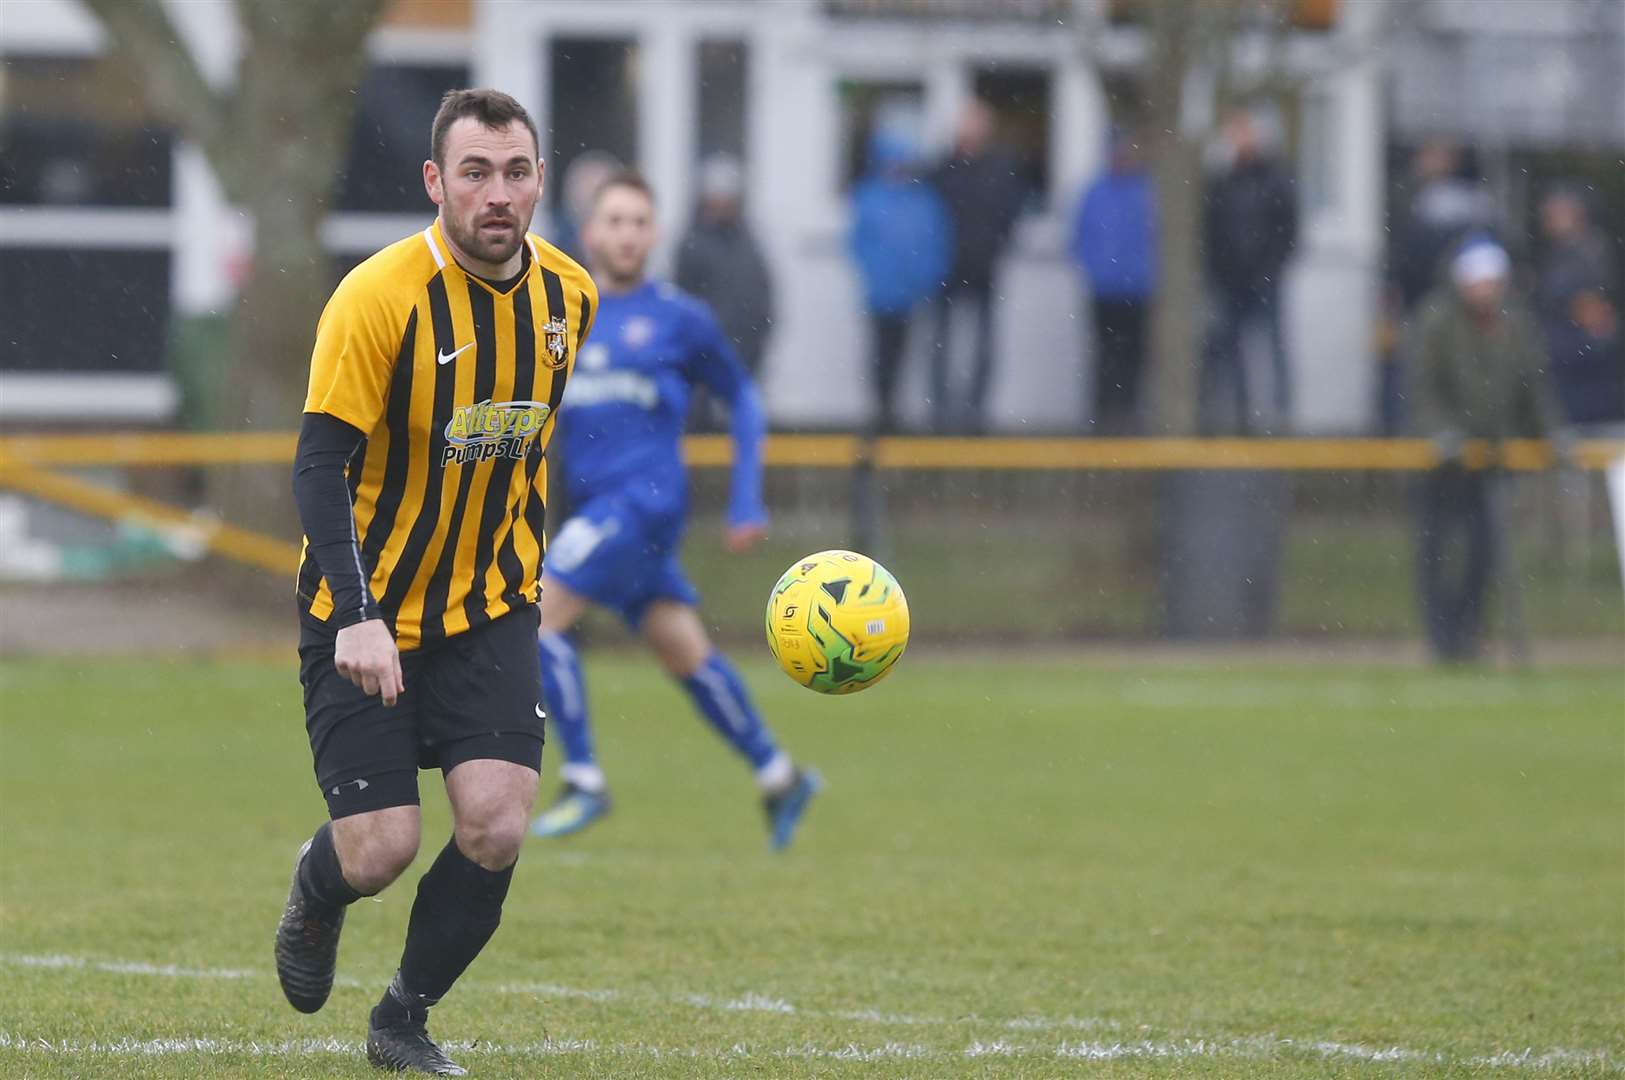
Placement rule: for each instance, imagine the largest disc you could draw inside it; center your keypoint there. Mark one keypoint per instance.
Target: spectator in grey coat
(720, 262)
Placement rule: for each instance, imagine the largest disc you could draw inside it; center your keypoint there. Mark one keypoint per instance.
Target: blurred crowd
(1484, 351)
(1567, 294)
(927, 236)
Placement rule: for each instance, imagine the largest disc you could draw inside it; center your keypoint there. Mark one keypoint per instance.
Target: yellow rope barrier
(150, 449)
(147, 450)
(22, 458)
(243, 545)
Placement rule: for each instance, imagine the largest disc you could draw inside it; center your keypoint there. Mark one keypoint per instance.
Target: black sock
(320, 874)
(458, 908)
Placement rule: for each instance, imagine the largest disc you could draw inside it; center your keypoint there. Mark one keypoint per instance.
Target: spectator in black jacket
(1251, 227)
(1588, 361)
(981, 185)
(1447, 202)
(1576, 257)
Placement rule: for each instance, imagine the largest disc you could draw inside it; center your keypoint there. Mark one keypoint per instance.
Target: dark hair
(624, 178)
(492, 108)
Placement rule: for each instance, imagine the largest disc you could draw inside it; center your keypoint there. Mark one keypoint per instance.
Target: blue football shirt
(621, 420)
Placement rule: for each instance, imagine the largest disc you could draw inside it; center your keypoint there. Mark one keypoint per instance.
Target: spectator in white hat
(1477, 372)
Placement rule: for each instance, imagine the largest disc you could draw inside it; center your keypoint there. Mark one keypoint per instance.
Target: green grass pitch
(1020, 868)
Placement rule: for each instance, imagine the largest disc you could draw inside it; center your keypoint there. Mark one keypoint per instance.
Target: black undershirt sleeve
(326, 445)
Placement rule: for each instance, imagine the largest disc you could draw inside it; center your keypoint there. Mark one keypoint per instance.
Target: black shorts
(476, 695)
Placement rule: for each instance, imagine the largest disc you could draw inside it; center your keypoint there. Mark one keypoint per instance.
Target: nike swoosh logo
(448, 357)
(540, 715)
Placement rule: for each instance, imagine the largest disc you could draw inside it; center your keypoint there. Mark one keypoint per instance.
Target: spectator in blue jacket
(902, 244)
(1114, 243)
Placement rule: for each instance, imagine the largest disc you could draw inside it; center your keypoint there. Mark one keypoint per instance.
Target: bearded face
(487, 190)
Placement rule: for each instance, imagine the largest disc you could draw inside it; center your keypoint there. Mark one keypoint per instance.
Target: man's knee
(490, 805)
(376, 848)
(492, 836)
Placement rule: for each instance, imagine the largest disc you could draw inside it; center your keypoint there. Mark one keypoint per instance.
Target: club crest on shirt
(556, 332)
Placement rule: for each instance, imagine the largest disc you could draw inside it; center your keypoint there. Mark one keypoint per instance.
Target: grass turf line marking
(1253, 1048)
(58, 961)
(1256, 1047)
(749, 1002)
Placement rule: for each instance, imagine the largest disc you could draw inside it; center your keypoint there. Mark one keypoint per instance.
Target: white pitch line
(58, 961)
(551, 990)
(1253, 1047)
(749, 1002)
(129, 967)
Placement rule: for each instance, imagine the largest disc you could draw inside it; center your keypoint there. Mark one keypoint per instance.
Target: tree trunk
(301, 127)
(277, 142)
(1177, 314)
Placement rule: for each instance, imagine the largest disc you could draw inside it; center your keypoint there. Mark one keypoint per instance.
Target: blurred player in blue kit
(621, 427)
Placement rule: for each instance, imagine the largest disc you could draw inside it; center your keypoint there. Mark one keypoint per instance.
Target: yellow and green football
(837, 622)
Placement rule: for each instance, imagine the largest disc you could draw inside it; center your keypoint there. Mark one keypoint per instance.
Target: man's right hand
(365, 653)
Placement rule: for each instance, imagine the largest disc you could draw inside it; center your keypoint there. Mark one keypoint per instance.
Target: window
(1020, 98)
(117, 303)
(868, 106)
(72, 133)
(1319, 180)
(592, 93)
(389, 138)
(723, 72)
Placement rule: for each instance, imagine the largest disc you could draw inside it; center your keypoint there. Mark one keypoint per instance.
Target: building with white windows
(98, 201)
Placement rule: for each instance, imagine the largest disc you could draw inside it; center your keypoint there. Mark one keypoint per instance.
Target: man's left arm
(717, 366)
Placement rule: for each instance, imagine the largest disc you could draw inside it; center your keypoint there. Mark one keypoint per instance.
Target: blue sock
(566, 696)
(720, 695)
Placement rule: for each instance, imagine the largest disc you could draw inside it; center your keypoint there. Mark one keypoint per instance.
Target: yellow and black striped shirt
(455, 387)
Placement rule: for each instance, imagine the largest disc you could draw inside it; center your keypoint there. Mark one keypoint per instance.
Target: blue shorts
(621, 557)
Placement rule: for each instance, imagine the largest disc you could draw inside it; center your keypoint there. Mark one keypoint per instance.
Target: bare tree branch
(174, 84)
